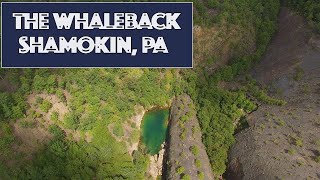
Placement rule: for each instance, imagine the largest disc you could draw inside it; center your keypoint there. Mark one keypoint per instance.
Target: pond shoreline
(155, 167)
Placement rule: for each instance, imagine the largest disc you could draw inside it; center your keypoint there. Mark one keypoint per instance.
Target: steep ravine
(283, 142)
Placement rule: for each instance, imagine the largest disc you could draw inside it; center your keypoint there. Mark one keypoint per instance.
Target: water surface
(154, 128)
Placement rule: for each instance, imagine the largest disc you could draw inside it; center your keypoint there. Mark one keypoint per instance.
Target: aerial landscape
(248, 109)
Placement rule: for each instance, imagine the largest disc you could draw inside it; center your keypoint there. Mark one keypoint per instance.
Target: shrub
(195, 150)
(298, 74)
(45, 83)
(32, 114)
(305, 89)
(54, 116)
(135, 135)
(71, 121)
(298, 142)
(118, 130)
(280, 122)
(317, 142)
(87, 121)
(56, 131)
(193, 130)
(6, 140)
(184, 118)
(213, 4)
(201, 175)
(186, 177)
(61, 96)
(317, 159)
(180, 170)
(58, 147)
(292, 151)
(27, 124)
(181, 125)
(183, 134)
(39, 100)
(45, 106)
(261, 94)
(198, 163)
(35, 114)
(301, 162)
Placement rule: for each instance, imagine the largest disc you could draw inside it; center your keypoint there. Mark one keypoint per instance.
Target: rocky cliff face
(156, 162)
(185, 154)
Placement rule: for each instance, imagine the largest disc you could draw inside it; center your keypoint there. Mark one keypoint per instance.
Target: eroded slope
(284, 142)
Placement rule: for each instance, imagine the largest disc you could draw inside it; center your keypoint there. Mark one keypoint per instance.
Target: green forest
(99, 97)
(96, 98)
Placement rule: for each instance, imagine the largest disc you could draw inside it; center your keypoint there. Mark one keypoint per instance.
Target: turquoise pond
(154, 129)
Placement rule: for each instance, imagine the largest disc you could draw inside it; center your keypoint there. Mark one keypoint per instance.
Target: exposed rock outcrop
(156, 161)
(186, 155)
